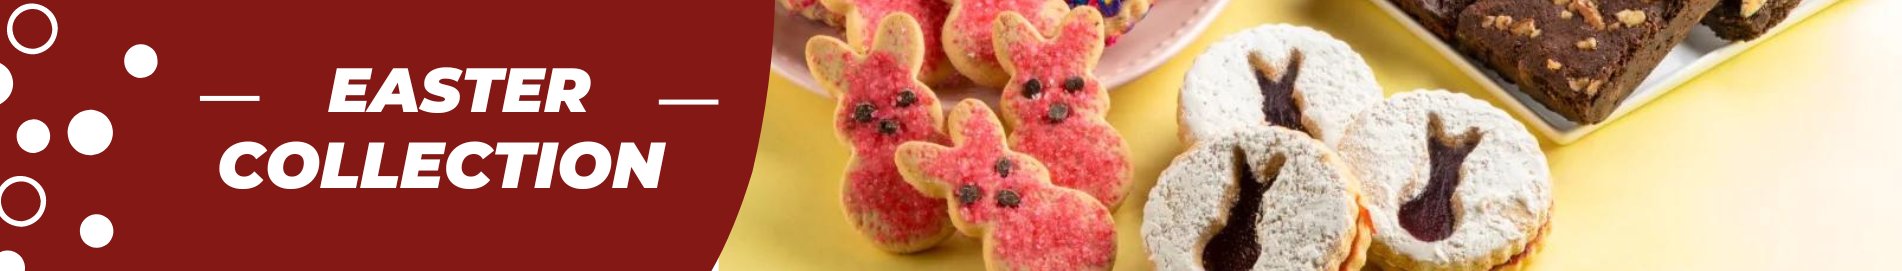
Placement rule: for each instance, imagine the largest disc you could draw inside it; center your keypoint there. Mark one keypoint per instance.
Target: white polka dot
(11, 261)
(6, 83)
(96, 231)
(89, 132)
(141, 61)
(33, 136)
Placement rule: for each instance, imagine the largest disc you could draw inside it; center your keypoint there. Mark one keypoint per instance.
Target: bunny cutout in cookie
(881, 105)
(1006, 198)
(1056, 105)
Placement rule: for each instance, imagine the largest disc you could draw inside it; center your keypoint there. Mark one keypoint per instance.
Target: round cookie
(967, 33)
(1451, 182)
(1056, 107)
(1266, 198)
(1279, 75)
(861, 16)
(1006, 198)
(881, 105)
(1119, 15)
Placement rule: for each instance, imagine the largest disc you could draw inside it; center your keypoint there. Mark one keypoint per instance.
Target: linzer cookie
(967, 33)
(1741, 20)
(1056, 106)
(1579, 58)
(1266, 198)
(1006, 198)
(1279, 75)
(1450, 182)
(861, 17)
(882, 104)
(1118, 15)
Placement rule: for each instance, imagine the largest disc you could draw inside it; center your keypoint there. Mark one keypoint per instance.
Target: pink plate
(1170, 25)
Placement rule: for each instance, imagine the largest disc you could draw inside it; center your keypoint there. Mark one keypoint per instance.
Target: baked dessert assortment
(1312, 171)
(881, 104)
(958, 32)
(1450, 182)
(1263, 198)
(1006, 198)
(1281, 75)
(1581, 58)
(1740, 20)
(1055, 105)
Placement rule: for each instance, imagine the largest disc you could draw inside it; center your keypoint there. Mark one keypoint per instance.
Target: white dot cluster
(89, 132)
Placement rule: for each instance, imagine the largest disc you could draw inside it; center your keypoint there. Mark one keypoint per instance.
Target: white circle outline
(49, 18)
(36, 214)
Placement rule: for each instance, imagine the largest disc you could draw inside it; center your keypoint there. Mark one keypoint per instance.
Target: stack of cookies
(1297, 163)
(1039, 195)
(958, 39)
(1580, 58)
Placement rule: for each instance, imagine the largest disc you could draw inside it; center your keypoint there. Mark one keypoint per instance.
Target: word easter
(566, 87)
(629, 162)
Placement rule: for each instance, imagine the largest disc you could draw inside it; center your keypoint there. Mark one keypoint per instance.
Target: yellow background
(1787, 157)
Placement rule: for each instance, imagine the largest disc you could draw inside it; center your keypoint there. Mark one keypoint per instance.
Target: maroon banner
(235, 134)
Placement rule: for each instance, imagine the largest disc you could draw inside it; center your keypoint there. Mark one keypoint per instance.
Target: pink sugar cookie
(967, 33)
(860, 15)
(1006, 198)
(881, 105)
(1056, 106)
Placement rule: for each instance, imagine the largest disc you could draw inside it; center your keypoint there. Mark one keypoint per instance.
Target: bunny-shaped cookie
(882, 104)
(1056, 105)
(1006, 198)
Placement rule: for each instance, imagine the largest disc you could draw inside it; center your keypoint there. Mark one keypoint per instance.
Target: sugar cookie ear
(827, 59)
(973, 123)
(1080, 28)
(900, 36)
(909, 156)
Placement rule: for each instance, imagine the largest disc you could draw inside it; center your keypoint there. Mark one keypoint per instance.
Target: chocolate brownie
(1578, 57)
(1437, 16)
(1742, 20)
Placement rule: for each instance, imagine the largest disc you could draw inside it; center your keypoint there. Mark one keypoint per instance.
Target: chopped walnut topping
(1592, 89)
(1561, 2)
(1553, 64)
(1588, 44)
(1589, 10)
(1565, 14)
(1501, 22)
(1631, 17)
(1528, 27)
(1750, 7)
(1577, 84)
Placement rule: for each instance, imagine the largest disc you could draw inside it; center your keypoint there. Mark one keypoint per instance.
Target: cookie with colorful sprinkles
(1118, 15)
(881, 104)
(1006, 198)
(1056, 106)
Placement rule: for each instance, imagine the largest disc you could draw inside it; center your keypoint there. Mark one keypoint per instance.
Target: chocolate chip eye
(1033, 88)
(1059, 112)
(1074, 84)
(862, 112)
(968, 194)
(1003, 167)
(907, 98)
(887, 127)
(1007, 199)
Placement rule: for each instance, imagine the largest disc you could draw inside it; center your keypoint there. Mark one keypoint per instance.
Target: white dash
(214, 98)
(689, 102)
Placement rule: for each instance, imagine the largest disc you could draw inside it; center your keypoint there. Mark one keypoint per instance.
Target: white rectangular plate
(1698, 53)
